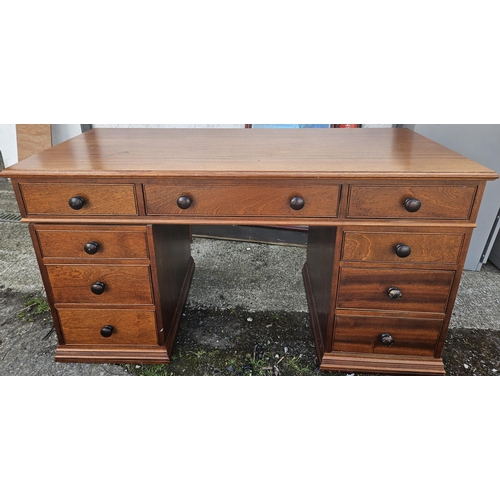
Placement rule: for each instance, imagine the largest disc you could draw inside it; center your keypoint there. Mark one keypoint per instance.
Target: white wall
(8, 144)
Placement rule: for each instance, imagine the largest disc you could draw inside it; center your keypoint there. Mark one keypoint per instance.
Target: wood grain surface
(347, 153)
(32, 139)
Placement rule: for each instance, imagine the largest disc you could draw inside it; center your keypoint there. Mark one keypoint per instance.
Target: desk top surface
(252, 153)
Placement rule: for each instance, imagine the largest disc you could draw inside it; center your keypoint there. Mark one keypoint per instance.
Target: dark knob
(76, 202)
(184, 202)
(387, 339)
(297, 203)
(412, 205)
(403, 250)
(91, 247)
(107, 331)
(394, 293)
(97, 288)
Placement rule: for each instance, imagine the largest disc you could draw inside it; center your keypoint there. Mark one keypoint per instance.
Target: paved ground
(228, 275)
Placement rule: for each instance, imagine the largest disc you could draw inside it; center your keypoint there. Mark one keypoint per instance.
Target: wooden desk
(390, 216)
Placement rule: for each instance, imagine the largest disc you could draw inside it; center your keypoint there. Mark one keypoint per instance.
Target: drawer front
(411, 336)
(92, 242)
(394, 290)
(219, 198)
(98, 199)
(383, 247)
(122, 284)
(388, 202)
(128, 326)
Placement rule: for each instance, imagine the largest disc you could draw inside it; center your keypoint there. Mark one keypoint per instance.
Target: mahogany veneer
(390, 216)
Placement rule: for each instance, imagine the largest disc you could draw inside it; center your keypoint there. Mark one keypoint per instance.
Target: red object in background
(347, 126)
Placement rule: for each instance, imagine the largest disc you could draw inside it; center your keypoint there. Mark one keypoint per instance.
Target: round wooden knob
(412, 204)
(91, 247)
(184, 202)
(394, 293)
(77, 202)
(387, 339)
(403, 250)
(107, 331)
(97, 288)
(297, 203)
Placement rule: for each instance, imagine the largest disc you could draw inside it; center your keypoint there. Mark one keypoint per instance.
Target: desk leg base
(371, 363)
(174, 328)
(86, 354)
(313, 314)
(147, 355)
(360, 362)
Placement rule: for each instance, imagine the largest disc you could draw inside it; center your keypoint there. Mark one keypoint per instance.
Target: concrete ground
(228, 274)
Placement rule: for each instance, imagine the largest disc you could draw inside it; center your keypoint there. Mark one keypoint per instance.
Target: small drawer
(95, 284)
(394, 247)
(92, 242)
(374, 334)
(394, 290)
(87, 199)
(414, 202)
(127, 326)
(223, 198)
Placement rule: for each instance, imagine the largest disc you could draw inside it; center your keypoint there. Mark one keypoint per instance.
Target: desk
(390, 216)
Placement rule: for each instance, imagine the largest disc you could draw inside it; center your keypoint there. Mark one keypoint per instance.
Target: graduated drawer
(365, 246)
(98, 199)
(411, 336)
(413, 290)
(128, 326)
(231, 198)
(111, 242)
(388, 202)
(122, 284)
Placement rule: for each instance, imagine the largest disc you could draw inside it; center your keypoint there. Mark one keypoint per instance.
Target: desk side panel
(172, 269)
(320, 264)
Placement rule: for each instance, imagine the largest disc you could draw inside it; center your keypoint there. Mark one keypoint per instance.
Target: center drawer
(394, 289)
(99, 284)
(290, 198)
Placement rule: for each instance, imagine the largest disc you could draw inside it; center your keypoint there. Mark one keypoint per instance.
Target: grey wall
(480, 143)
(61, 133)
